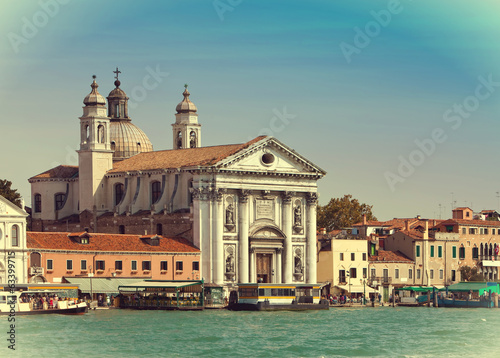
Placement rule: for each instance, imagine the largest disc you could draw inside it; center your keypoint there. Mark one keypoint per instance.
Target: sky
(397, 101)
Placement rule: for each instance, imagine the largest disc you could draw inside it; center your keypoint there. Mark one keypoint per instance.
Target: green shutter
(418, 250)
(454, 252)
(432, 251)
(440, 251)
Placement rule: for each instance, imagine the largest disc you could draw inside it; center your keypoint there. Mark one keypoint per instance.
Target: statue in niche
(100, 130)
(230, 263)
(298, 264)
(230, 214)
(297, 214)
(193, 142)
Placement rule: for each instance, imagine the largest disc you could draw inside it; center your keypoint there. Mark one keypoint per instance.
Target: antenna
(498, 197)
(440, 207)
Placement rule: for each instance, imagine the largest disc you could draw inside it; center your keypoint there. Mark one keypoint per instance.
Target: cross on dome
(117, 72)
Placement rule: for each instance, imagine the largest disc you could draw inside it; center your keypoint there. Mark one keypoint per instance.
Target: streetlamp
(90, 279)
(350, 295)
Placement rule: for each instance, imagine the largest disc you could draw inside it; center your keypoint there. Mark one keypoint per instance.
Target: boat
(415, 295)
(277, 296)
(13, 303)
(468, 295)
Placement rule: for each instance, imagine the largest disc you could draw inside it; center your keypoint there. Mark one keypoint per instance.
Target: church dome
(94, 97)
(127, 140)
(186, 106)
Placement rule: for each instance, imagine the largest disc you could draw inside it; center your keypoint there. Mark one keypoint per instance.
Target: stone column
(279, 264)
(287, 229)
(218, 246)
(243, 237)
(311, 249)
(253, 278)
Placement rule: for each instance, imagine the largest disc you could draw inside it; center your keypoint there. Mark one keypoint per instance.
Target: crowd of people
(43, 301)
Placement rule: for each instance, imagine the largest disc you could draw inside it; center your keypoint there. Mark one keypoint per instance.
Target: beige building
(343, 263)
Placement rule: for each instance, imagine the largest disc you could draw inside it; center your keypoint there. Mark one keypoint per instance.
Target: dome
(186, 106)
(94, 97)
(117, 92)
(127, 140)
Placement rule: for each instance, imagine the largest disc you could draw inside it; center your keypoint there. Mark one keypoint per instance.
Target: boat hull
(77, 310)
(266, 306)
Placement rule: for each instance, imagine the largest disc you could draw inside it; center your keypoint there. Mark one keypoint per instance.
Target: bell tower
(186, 129)
(95, 156)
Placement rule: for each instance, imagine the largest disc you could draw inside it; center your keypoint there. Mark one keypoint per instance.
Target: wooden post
(428, 298)
(495, 299)
(435, 303)
(393, 298)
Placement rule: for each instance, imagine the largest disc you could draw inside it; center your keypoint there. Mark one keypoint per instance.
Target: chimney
(407, 225)
(418, 217)
(364, 219)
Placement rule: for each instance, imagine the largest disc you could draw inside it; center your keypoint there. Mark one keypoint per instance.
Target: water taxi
(31, 302)
(276, 296)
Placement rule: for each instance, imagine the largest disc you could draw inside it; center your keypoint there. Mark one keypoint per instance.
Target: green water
(339, 332)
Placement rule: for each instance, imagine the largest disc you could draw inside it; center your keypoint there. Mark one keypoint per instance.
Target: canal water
(339, 332)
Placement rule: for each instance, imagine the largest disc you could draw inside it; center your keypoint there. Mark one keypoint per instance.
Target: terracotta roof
(60, 172)
(471, 222)
(179, 158)
(105, 242)
(462, 208)
(394, 256)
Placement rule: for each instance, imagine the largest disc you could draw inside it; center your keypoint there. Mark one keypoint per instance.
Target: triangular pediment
(272, 156)
(9, 209)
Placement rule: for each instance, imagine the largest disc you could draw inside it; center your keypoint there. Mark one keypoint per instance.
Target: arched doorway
(266, 247)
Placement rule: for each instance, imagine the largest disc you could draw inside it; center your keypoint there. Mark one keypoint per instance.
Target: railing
(377, 280)
(36, 270)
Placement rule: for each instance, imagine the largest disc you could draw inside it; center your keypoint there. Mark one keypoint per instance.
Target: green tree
(470, 274)
(342, 212)
(8, 193)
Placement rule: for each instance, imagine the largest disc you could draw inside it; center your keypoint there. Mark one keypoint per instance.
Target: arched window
(59, 200)
(119, 188)
(155, 191)
(113, 145)
(100, 133)
(15, 235)
(35, 259)
(87, 132)
(192, 139)
(38, 203)
(179, 140)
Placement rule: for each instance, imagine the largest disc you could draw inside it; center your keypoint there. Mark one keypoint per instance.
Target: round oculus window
(268, 158)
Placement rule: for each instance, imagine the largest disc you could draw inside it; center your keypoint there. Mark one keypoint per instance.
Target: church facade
(250, 208)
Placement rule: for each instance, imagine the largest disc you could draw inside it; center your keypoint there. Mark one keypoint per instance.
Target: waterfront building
(13, 252)
(343, 263)
(479, 241)
(250, 208)
(108, 260)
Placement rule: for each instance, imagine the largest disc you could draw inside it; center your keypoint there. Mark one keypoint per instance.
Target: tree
(470, 274)
(343, 212)
(8, 193)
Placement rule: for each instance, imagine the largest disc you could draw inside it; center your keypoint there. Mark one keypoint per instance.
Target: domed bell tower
(95, 156)
(186, 130)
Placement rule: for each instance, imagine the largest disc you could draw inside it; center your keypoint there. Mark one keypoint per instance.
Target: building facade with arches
(13, 251)
(250, 208)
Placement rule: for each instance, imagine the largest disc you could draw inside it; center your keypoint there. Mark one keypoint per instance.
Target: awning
(101, 284)
(169, 286)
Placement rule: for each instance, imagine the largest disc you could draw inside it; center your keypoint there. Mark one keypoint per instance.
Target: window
(179, 266)
(342, 276)
(440, 251)
(432, 250)
(486, 231)
(410, 273)
(417, 249)
(159, 229)
(353, 256)
(365, 272)
(441, 273)
(146, 265)
(59, 199)
(49, 265)
(38, 203)
(492, 231)
(163, 265)
(121, 229)
(155, 191)
(464, 231)
(454, 252)
(432, 274)
(396, 273)
(119, 188)
(418, 274)
(453, 275)
(461, 253)
(364, 256)
(99, 265)
(192, 140)
(341, 256)
(69, 265)
(196, 266)
(475, 252)
(467, 214)
(472, 231)
(83, 265)
(353, 272)
(118, 265)
(15, 235)
(481, 231)
(385, 275)
(133, 265)
(373, 272)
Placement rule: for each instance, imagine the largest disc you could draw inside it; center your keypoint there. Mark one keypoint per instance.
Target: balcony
(36, 271)
(377, 281)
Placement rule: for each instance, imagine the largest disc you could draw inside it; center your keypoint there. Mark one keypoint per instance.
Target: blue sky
(356, 116)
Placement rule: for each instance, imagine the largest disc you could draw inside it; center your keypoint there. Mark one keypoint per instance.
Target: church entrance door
(264, 268)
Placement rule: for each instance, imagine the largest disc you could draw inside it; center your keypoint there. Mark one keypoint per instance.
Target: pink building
(109, 259)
